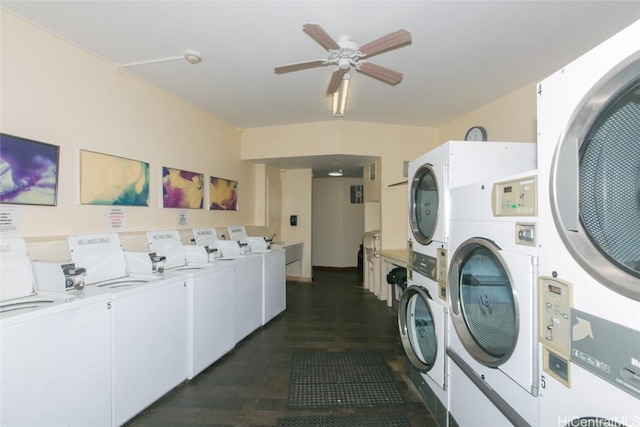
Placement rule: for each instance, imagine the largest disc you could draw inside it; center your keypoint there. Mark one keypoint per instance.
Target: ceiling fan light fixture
(344, 63)
(336, 173)
(340, 97)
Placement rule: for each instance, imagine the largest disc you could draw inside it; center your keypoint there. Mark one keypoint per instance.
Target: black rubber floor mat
(393, 419)
(321, 380)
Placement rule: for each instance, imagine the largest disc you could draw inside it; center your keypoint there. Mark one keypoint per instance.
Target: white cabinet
(210, 330)
(149, 345)
(248, 296)
(274, 287)
(55, 367)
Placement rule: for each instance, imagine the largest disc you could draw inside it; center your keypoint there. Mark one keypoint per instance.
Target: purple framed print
(112, 180)
(182, 189)
(28, 171)
(223, 194)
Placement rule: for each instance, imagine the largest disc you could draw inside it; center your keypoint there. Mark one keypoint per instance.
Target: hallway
(249, 386)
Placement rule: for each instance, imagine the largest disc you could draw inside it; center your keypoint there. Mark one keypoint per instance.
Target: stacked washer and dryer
(492, 294)
(423, 312)
(543, 283)
(589, 165)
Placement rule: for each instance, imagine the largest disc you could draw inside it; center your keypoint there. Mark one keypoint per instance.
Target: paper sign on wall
(116, 219)
(183, 218)
(9, 219)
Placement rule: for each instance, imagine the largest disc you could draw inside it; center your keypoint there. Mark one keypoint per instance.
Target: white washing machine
(492, 300)
(211, 300)
(432, 176)
(274, 275)
(149, 320)
(55, 352)
(424, 330)
(589, 165)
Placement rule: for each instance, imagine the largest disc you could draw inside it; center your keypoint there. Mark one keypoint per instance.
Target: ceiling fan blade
(334, 83)
(319, 35)
(299, 66)
(390, 41)
(381, 73)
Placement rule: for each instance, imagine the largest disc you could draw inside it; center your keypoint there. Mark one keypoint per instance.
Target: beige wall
(57, 93)
(274, 202)
(338, 224)
(296, 200)
(510, 118)
(393, 144)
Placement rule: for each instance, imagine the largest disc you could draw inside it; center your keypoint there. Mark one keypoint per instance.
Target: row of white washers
(129, 333)
(525, 266)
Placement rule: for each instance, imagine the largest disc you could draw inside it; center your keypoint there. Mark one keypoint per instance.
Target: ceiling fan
(345, 53)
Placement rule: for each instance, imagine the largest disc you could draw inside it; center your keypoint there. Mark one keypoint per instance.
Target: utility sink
(292, 250)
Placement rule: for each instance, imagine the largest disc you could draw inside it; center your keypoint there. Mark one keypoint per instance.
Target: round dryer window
(417, 328)
(598, 215)
(484, 309)
(423, 209)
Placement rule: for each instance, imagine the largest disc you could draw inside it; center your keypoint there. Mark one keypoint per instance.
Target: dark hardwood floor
(249, 386)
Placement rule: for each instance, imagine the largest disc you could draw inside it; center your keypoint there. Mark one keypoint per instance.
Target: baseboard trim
(299, 279)
(319, 267)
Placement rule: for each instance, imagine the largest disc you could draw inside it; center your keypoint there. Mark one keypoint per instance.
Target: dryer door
(423, 208)
(484, 308)
(418, 328)
(595, 181)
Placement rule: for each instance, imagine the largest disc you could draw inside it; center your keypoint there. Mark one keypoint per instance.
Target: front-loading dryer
(432, 176)
(492, 300)
(589, 165)
(424, 329)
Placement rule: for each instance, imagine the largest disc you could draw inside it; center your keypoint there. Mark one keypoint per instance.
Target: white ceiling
(463, 55)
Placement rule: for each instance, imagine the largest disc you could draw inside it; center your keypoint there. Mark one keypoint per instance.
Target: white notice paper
(116, 219)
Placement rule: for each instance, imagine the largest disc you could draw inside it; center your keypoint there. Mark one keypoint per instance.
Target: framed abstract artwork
(28, 171)
(113, 180)
(223, 194)
(182, 189)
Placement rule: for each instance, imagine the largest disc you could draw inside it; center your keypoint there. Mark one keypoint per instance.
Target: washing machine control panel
(517, 197)
(555, 314)
(554, 328)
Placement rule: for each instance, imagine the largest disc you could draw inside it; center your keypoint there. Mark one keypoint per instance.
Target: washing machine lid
(16, 274)
(205, 236)
(595, 181)
(237, 233)
(100, 254)
(417, 328)
(168, 244)
(423, 204)
(484, 308)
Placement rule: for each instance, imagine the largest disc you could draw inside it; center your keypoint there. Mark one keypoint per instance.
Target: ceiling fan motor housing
(348, 54)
